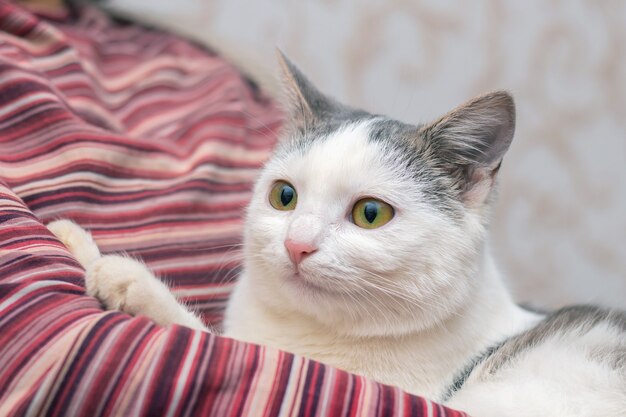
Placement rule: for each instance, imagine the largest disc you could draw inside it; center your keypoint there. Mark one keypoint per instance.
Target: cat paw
(77, 240)
(122, 283)
(127, 285)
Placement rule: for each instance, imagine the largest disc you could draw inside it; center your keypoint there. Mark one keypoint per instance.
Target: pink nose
(298, 250)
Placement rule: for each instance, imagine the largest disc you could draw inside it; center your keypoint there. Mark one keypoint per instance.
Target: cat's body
(365, 248)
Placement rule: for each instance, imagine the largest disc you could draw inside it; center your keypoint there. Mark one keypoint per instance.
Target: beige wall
(559, 231)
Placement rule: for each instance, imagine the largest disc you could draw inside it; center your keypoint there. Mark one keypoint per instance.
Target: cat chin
(343, 323)
(307, 286)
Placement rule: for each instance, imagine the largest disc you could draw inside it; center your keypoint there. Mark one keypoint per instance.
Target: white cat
(366, 248)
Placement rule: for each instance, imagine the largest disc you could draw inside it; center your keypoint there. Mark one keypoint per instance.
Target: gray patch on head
(323, 128)
(403, 146)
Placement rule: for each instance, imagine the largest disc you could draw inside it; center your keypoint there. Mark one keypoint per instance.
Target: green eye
(370, 213)
(283, 196)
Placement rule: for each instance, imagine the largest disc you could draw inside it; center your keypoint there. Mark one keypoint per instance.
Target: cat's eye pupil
(286, 195)
(283, 196)
(370, 211)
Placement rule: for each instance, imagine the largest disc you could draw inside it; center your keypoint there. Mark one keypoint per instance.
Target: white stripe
(329, 381)
(26, 290)
(34, 272)
(25, 101)
(429, 408)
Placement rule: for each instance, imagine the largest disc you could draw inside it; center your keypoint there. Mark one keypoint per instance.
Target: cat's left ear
(471, 142)
(305, 103)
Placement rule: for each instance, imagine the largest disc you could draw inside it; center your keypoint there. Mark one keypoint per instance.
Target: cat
(366, 248)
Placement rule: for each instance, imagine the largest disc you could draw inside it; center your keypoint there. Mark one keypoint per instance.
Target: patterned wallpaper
(559, 229)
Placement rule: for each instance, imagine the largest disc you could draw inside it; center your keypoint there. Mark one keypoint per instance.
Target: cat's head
(370, 225)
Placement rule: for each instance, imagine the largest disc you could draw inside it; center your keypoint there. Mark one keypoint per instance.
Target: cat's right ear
(471, 141)
(305, 103)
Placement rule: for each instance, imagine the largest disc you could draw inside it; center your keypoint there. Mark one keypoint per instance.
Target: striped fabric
(153, 144)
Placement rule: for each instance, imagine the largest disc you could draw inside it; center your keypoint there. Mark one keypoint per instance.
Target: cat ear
(306, 104)
(472, 140)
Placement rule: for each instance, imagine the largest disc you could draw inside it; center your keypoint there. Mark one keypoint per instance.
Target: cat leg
(79, 242)
(125, 284)
(122, 283)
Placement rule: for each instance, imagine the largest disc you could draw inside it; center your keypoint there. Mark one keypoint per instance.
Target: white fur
(407, 304)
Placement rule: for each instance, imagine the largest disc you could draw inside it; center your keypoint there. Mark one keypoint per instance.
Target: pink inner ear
(480, 182)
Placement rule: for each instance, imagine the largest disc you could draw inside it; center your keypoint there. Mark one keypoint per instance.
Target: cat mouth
(298, 280)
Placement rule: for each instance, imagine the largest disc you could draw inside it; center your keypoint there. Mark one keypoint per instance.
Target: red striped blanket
(153, 144)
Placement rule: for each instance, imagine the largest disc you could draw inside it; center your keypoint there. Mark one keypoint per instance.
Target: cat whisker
(236, 258)
(370, 300)
(394, 290)
(209, 247)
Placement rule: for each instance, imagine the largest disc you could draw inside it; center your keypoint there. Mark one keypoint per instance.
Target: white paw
(127, 285)
(123, 284)
(77, 240)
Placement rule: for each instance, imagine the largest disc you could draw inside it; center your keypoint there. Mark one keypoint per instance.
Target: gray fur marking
(575, 318)
(581, 319)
